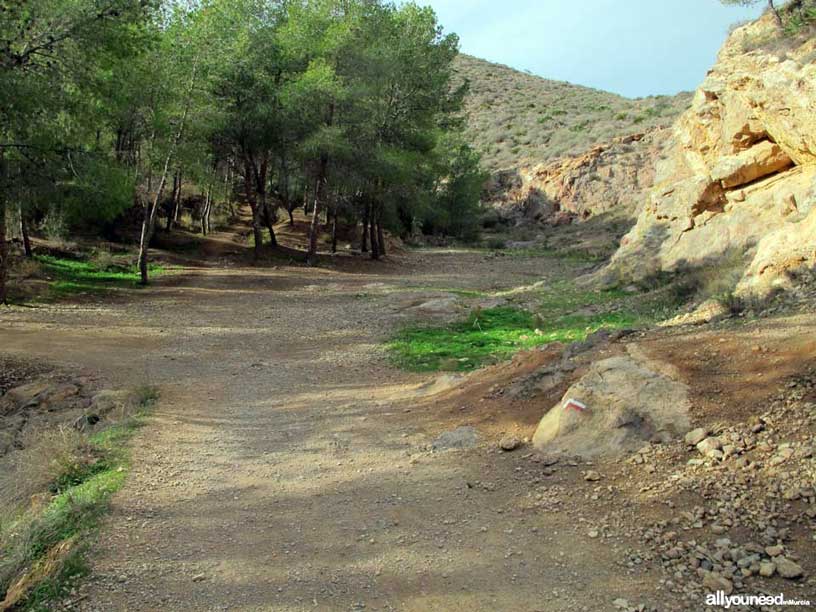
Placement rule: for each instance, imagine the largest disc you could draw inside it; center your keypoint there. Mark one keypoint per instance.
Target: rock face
(618, 406)
(738, 174)
(55, 401)
(614, 175)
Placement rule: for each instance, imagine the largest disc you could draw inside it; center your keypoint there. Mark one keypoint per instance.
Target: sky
(630, 47)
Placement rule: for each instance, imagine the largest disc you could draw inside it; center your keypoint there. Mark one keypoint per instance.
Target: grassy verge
(560, 312)
(491, 335)
(576, 255)
(74, 276)
(43, 551)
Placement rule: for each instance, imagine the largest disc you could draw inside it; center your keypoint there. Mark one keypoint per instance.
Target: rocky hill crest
(737, 178)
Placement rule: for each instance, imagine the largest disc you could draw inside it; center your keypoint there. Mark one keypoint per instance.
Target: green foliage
(491, 335)
(71, 276)
(455, 207)
(557, 312)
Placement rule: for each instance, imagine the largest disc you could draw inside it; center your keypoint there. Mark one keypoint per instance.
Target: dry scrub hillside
(518, 119)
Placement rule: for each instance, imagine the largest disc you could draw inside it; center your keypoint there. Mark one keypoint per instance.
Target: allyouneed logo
(726, 601)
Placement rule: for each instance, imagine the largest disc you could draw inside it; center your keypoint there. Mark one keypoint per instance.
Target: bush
(54, 226)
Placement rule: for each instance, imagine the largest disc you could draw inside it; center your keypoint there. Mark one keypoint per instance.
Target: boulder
(108, 401)
(619, 404)
(29, 393)
(438, 306)
(747, 166)
(695, 436)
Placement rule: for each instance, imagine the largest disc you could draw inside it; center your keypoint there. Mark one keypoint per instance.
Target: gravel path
(282, 469)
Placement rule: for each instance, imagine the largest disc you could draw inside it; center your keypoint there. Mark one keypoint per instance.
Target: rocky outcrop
(614, 175)
(621, 404)
(738, 174)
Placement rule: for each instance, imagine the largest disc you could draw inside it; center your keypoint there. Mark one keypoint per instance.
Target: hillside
(517, 119)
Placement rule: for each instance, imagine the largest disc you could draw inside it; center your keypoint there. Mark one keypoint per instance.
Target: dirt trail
(282, 469)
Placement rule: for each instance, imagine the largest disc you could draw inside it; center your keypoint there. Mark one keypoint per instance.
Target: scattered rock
(459, 438)
(708, 446)
(714, 582)
(767, 569)
(787, 568)
(509, 443)
(774, 551)
(695, 436)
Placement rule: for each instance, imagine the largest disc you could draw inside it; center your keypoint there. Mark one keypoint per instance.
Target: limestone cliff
(614, 175)
(738, 174)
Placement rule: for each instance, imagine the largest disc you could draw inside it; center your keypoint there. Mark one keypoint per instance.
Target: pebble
(787, 568)
(509, 443)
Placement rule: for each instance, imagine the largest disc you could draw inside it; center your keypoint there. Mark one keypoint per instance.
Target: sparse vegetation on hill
(515, 118)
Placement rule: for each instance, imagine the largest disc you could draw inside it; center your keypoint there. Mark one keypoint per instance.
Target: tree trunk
(172, 214)
(314, 228)
(256, 217)
(775, 11)
(291, 218)
(24, 233)
(372, 236)
(380, 238)
(269, 220)
(334, 229)
(263, 204)
(149, 220)
(205, 212)
(4, 264)
(306, 197)
(366, 220)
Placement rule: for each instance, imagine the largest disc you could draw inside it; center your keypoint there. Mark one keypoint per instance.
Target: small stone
(593, 533)
(774, 551)
(199, 578)
(621, 604)
(715, 582)
(767, 569)
(695, 436)
(592, 476)
(787, 568)
(709, 445)
(509, 443)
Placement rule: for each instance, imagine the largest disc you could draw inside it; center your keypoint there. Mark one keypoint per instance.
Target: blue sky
(630, 47)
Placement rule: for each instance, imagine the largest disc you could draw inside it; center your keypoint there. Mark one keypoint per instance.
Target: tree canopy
(344, 107)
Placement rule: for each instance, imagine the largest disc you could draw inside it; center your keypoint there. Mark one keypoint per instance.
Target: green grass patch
(74, 276)
(574, 255)
(562, 297)
(491, 335)
(80, 498)
(558, 312)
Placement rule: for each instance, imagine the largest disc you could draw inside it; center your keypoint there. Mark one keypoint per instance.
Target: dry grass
(55, 491)
(46, 457)
(516, 118)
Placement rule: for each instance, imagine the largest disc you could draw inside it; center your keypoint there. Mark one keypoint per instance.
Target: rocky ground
(289, 466)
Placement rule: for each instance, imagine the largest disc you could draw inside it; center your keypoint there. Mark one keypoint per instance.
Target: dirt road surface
(282, 469)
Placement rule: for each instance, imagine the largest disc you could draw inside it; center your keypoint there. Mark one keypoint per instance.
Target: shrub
(54, 226)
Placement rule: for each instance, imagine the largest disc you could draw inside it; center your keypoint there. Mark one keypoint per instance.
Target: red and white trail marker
(572, 404)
